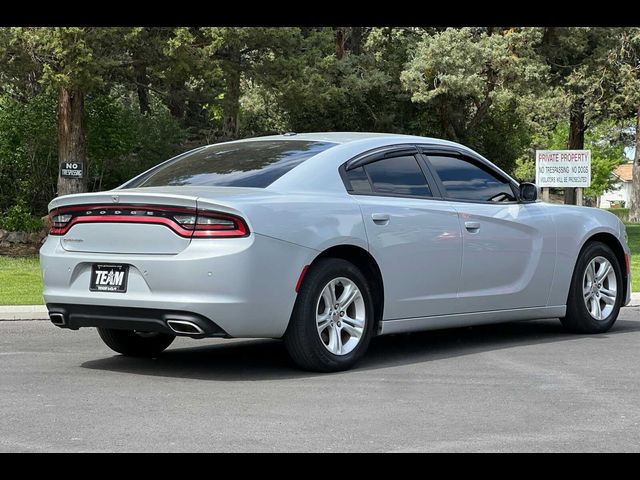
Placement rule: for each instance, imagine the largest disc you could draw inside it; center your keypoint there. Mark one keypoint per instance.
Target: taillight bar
(185, 222)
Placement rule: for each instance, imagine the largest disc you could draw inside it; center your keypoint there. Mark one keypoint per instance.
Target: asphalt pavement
(526, 386)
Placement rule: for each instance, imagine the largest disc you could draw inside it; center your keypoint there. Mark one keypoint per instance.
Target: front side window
(244, 164)
(464, 180)
(398, 176)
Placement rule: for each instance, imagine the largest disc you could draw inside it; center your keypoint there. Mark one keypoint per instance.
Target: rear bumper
(244, 286)
(127, 318)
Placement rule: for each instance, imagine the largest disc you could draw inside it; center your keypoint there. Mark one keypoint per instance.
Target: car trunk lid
(120, 222)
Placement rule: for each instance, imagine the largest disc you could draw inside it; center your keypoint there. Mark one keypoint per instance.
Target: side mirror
(528, 192)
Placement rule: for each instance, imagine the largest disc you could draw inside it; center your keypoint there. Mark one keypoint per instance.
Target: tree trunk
(142, 86)
(175, 100)
(576, 141)
(339, 42)
(231, 100)
(634, 207)
(71, 138)
(355, 42)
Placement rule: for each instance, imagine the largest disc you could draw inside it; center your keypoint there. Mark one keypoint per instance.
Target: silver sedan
(326, 240)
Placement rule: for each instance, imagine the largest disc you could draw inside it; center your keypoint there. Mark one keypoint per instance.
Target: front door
(508, 247)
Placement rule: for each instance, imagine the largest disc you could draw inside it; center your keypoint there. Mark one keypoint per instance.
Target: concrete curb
(23, 312)
(635, 300)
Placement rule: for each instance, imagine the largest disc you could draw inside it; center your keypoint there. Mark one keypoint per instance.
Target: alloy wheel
(599, 288)
(341, 316)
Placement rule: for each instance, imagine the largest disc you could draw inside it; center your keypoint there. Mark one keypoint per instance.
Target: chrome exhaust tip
(57, 319)
(183, 327)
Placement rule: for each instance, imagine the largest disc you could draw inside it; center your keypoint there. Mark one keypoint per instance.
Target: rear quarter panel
(311, 220)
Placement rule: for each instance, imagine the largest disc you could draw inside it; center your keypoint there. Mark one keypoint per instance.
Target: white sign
(563, 168)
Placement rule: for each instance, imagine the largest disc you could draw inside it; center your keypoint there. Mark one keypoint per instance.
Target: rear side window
(464, 180)
(359, 180)
(244, 164)
(398, 176)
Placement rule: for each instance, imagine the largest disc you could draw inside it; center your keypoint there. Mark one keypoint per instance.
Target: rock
(16, 237)
(35, 237)
(46, 220)
(3, 233)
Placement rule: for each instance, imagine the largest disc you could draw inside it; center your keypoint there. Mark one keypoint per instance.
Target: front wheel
(333, 320)
(597, 291)
(135, 344)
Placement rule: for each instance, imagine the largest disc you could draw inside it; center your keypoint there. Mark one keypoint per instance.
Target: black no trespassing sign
(71, 169)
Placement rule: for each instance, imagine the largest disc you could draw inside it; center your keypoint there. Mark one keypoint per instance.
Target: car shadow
(255, 360)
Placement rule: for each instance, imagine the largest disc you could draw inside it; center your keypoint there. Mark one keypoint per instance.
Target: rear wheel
(332, 321)
(596, 292)
(135, 344)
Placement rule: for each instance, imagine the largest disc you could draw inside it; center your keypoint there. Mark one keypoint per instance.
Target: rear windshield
(244, 164)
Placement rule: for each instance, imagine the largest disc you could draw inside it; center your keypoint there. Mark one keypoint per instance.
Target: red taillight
(214, 224)
(59, 223)
(186, 222)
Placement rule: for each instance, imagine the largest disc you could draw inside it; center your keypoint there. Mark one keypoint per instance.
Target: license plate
(109, 277)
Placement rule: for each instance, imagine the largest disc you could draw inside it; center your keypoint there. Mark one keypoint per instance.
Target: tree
(579, 65)
(122, 99)
(480, 85)
(72, 61)
(314, 90)
(244, 53)
(627, 58)
(634, 208)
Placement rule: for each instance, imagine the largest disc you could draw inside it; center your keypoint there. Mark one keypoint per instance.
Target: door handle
(472, 227)
(380, 218)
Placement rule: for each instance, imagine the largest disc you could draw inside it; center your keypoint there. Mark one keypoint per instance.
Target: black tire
(132, 344)
(302, 339)
(578, 319)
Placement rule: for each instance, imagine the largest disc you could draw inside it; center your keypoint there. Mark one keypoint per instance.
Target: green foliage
(19, 218)
(67, 55)
(122, 142)
(479, 85)
(28, 151)
(151, 92)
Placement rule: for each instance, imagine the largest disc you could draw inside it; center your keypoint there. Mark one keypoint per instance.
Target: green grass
(21, 284)
(633, 231)
(20, 281)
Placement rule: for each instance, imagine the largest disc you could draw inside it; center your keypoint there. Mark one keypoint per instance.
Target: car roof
(347, 137)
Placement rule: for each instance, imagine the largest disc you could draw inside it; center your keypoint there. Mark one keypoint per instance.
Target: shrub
(622, 213)
(19, 219)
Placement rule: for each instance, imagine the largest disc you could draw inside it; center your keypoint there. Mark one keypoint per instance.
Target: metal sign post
(545, 194)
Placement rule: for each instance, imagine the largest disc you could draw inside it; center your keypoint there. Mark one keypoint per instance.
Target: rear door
(414, 236)
(509, 247)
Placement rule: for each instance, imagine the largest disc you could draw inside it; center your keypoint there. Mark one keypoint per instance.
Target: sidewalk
(39, 312)
(23, 312)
